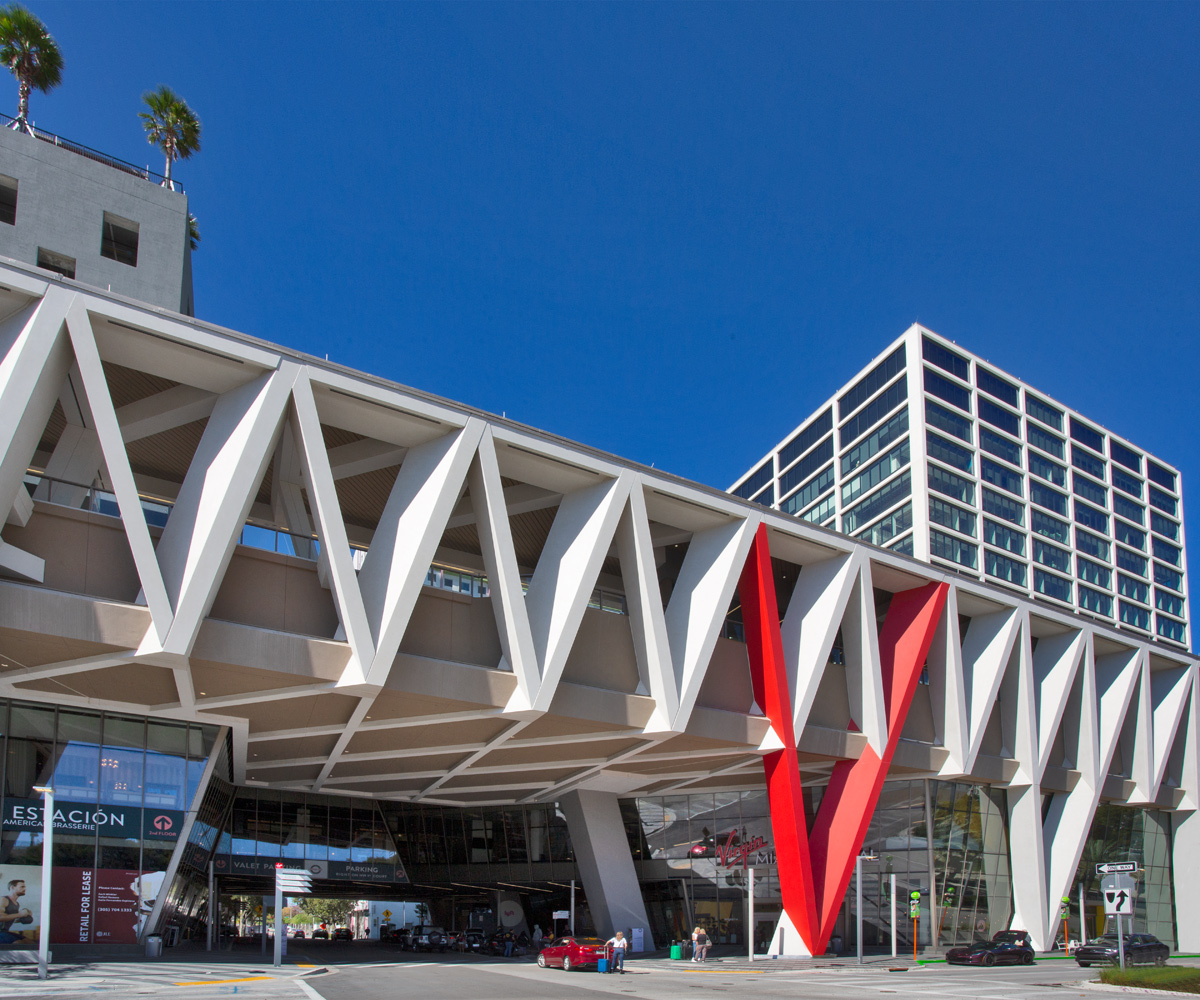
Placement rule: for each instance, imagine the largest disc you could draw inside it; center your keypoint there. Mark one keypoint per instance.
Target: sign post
(914, 911)
(750, 911)
(1064, 914)
(47, 868)
(893, 895)
(1118, 902)
(296, 882)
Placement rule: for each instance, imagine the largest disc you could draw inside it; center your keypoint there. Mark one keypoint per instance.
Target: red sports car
(571, 953)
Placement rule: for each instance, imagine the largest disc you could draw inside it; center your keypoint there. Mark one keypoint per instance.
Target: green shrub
(1182, 980)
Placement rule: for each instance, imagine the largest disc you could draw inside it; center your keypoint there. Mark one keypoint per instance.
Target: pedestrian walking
(618, 944)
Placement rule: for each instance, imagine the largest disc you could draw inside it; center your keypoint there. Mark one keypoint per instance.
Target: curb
(1141, 991)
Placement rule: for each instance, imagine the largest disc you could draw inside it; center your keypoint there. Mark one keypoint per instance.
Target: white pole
(208, 943)
(893, 914)
(572, 907)
(750, 910)
(278, 923)
(1082, 915)
(47, 867)
(858, 904)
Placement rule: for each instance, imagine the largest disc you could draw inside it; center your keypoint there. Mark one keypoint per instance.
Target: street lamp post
(47, 858)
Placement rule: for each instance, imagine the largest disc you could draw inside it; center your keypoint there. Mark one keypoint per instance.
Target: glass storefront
(1143, 836)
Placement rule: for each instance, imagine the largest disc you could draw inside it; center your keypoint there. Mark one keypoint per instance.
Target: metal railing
(145, 173)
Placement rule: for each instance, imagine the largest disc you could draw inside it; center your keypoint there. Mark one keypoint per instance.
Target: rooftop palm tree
(171, 126)
(31, 54)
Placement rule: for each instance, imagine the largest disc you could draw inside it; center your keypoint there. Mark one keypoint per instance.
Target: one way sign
(1118, 903)
(1112, 867)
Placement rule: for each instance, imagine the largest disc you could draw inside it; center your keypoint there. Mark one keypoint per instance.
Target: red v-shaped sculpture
(815, 868)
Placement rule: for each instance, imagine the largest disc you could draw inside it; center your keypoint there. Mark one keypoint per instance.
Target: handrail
(145, 173)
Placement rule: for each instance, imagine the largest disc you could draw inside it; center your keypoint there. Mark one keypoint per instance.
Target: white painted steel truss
(1061, 710)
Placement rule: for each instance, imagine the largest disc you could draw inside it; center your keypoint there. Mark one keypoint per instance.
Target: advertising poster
(71, 905)
(20, 906)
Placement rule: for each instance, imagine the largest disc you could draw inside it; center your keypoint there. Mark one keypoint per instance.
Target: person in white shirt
(618, 944)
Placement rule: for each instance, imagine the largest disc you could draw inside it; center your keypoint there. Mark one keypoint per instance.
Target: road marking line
(214, 982)
(308, 990)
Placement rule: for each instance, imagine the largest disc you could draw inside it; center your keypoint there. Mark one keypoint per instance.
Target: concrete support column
(1185, 849)
(605, 864)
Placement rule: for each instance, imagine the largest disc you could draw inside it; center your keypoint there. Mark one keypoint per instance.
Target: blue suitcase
(602, 965)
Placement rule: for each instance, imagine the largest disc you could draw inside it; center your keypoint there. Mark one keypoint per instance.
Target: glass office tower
(932, 452)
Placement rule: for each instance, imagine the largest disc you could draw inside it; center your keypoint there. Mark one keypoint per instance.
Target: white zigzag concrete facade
(337, 667)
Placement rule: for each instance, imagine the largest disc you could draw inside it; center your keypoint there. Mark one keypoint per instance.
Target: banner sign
(88, 905)
(78, 817)
(343, 871)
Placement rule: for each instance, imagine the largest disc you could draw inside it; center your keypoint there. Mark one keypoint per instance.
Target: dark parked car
(343, 934)
(569, 953)
(470, 940)
(1005, 947)
(298, 933)
(320, 934)
(1140, 949)
(426, 937)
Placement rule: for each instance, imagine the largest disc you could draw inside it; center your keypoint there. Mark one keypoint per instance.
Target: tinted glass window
(876, 473)
(1049, 526)
(994, 385)
(1084, 434)
(1003, 568)
(874, 443)
(946, 359)
(1039, 409)
(874, 411)
(1043, 468)
(1162, 526)
(1129, 509)
(1129, 535)
(1097, 520)
(1089, 543)
(1043, 496)
(1162, 576)
(1052, 586)
(1082, 459)
(948, 452)
(758, 479)
(998, 475)
(1126, 483)
(1174, 631)
(872, 382)
(941, 481)
(948, 547)
(809, 464)
(948, 421)
(1135, 589)
(1092, 572)
(1047, 442)
(1003, 506)
(999, 446)
(1051, 555)
(954, 518)
(951, 392)
(1089, 490)
(1003, 537)
(997, 416)
(1131, 563)
(1163, 502)
(809, 492)
(1169, 603)
(1167, 552)
(866, 512)
(1157, 474)
(1137, 617)
(1124, 456)
(811, 434)
(1093, 600)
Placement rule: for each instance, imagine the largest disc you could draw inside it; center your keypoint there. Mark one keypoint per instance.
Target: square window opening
(59, 263)
(8, 200)
(119, 240)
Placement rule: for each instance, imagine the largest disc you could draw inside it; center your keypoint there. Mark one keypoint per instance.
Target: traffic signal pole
(278, 923)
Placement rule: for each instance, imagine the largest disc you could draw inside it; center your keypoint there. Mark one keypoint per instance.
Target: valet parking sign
(76, 817)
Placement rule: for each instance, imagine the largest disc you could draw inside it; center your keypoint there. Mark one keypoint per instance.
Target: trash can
(677, 952)
(154, 946)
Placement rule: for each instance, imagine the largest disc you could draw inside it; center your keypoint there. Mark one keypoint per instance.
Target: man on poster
(12, 913)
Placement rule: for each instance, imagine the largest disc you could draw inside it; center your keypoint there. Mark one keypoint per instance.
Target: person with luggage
(699, 945)
(618, 944)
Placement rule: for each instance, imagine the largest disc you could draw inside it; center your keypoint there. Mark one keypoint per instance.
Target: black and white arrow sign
(1110, 867)
(1118, 902)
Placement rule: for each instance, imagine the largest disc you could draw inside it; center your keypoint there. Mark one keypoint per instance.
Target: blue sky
(671, 230)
